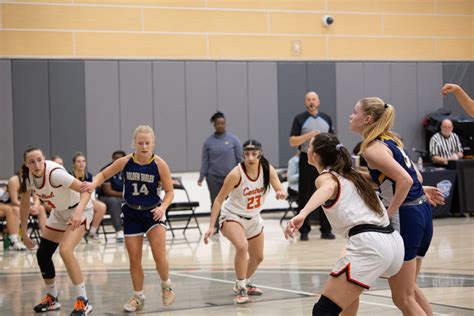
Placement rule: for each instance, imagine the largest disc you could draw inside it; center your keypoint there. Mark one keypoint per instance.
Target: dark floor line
(229, 304)
(436, 304)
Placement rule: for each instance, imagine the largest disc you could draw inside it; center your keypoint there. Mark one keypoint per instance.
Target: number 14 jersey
(248, 197)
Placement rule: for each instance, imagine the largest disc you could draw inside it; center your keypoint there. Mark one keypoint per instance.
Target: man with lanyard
(305, 126)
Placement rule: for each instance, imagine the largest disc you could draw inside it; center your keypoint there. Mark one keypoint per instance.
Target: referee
(305, 126)
(445, 144)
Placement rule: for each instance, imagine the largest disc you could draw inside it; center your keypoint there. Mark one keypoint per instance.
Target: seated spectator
(111, 195)
(57, 159)
(79, 171)
(293, 174)
(445, 145)
(12, 219)
(36, 209)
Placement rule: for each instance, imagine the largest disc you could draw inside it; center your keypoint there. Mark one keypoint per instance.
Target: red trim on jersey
(339, 189)
(347, 270)
(55, 229)
(49, 178)
(44, 179)
(256, 235)
(238, 183)
(258, 174)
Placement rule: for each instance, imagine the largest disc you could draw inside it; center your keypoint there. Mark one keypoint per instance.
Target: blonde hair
(145, 129)
(383, 117)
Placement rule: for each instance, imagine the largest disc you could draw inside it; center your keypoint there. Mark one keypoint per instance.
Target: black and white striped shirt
(444, 147)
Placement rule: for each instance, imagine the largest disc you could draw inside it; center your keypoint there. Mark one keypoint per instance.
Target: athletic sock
(51, 289)
(165, 284)
(81, 290)
(139, 294)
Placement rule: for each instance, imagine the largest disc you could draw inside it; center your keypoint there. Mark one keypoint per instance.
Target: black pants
(306, 188)
(214, 183)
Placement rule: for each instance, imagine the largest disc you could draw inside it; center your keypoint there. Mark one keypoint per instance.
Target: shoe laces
(47, 299)
(79, 305)
(134, 301)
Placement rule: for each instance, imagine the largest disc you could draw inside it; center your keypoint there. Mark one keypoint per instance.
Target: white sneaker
(17, 245)
(93, 237)
(135, 303)
(119, 236)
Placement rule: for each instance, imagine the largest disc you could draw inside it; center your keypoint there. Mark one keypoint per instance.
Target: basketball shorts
(370, 255)
(253, 226)
(416, 228)
(58, 220)
(139, 222)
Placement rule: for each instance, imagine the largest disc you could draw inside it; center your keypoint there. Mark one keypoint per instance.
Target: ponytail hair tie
(339, 146)
(385, 105)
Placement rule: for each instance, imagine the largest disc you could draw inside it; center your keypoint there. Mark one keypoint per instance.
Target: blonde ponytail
(383, 118)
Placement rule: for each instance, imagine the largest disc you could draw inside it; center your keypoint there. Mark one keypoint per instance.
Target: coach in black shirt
(305, 126)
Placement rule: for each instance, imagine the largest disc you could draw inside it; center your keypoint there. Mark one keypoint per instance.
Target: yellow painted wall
(238, 29)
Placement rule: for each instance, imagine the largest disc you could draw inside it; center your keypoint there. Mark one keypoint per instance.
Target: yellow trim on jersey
(153, 157)
(382, 177)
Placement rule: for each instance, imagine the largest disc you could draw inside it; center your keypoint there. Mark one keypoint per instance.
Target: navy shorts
(137, 223)
(416, 228)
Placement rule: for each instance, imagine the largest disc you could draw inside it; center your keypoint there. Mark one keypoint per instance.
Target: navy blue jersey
(87, 176)
(141, 183)
(387, 185)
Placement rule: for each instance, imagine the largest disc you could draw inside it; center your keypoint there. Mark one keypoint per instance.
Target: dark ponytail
(252, 144)
(336, 157)
(24, 171)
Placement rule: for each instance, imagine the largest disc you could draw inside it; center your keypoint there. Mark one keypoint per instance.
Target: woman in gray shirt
(221, 152)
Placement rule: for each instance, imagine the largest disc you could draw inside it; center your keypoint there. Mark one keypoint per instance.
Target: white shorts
(253, 226)
(58, 220)
(371, 255)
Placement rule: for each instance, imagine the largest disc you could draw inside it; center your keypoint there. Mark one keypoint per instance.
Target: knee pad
(45, 258)
(326, 307)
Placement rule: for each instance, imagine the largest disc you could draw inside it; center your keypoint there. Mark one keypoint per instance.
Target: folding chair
(34, 229)
(186, 210)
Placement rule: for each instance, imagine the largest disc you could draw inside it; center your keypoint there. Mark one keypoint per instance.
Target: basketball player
(463, 98)
(373, 248)
(400, 185)
(67, 223)
(144, 211)
(247, 186)
(79, 171)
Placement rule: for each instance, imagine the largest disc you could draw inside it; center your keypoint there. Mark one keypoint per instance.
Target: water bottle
(419, 164)
(6, 241)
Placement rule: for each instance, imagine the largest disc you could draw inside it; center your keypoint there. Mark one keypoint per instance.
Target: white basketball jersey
(58, 196)
(349, 209)
(248, 197)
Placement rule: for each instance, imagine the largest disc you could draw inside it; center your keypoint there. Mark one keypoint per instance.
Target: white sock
(165, 284)
(81, 290)
(14, 238)
(241, 283)
(51, 289)
(93, 230)
(140, 294)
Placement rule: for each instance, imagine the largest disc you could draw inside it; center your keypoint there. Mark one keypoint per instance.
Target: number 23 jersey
(248, 197)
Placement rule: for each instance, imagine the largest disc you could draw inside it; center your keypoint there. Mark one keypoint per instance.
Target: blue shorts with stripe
(138, 222)
(416, 228)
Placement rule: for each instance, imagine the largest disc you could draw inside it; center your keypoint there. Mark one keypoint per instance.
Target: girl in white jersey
(71, 216)
(373, 249)
(247, 186)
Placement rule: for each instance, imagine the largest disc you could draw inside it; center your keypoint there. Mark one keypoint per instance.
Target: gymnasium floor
(291, 274)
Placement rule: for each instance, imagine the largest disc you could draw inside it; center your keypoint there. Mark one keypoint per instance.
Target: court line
(271, 288)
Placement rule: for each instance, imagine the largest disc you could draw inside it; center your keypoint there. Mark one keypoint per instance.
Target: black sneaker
(81, 307)
(328, 236)
(304, 237)
(48, 303)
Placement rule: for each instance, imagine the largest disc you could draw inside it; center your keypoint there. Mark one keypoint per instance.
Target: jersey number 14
(143, 189)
